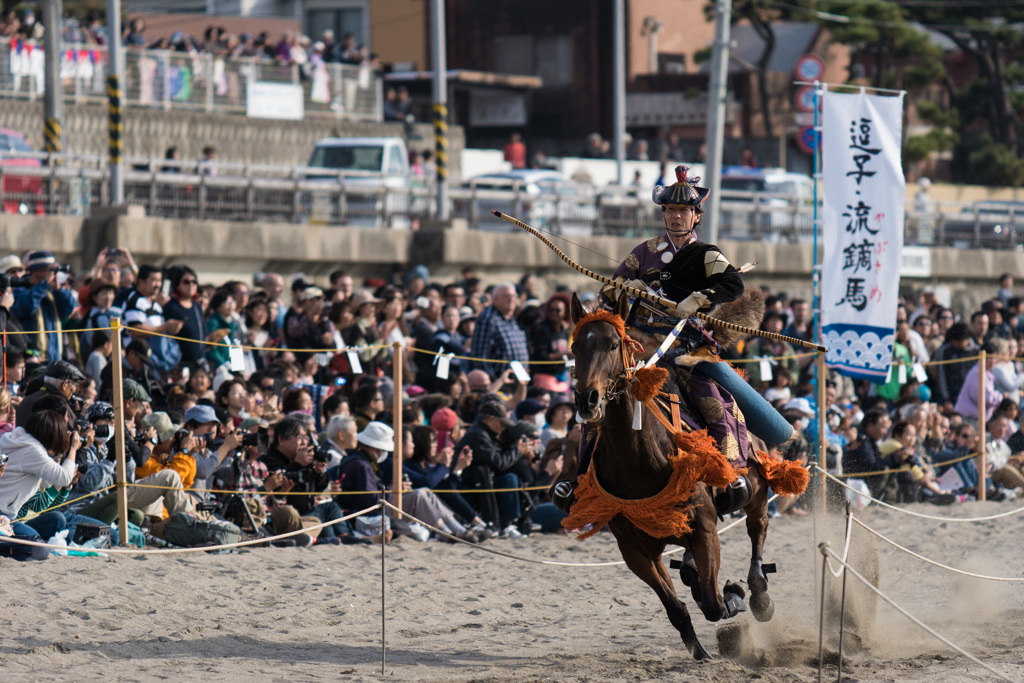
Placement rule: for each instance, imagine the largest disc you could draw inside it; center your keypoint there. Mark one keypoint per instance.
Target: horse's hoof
(762, 607)
(757, 579)
(698, 651)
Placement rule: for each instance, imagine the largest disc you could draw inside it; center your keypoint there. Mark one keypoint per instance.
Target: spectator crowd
(268, 404)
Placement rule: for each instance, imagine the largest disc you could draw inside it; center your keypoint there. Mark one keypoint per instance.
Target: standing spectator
(221, 327)
(515, 151)
(639, 151)
(550, 339)
(184, 307)
(798, 326)
(41, 307)
(594, 148)
(497, 336)
(1005, 292)
(780, 351)
(273, 285)
(136, 35)
(748, 160)
(99, 302)
(142, 310)
(949, 376)
(922, 200)
(979, 327)
(968, 402)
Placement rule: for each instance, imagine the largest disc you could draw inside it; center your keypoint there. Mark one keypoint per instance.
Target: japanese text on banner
(862, 231)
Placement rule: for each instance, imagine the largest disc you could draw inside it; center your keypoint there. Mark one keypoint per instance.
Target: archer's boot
(734, 497)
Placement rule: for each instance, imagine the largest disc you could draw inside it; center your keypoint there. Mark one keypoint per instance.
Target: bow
(657, 300)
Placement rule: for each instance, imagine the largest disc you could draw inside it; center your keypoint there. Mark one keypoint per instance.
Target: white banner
(274, 101)
(862, 231)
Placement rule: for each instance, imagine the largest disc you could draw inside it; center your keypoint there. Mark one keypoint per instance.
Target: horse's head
(600, 357)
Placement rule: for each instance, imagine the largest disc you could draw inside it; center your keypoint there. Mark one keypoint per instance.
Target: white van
(379, 166)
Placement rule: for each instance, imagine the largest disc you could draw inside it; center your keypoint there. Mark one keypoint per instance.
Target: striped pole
(53, 97)
(116, 112)
(441, 158)
(51, 134)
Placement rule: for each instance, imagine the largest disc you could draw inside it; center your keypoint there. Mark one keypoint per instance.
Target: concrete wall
(236, 138)
(221, 250)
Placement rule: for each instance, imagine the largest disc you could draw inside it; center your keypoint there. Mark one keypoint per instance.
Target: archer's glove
(688, 306)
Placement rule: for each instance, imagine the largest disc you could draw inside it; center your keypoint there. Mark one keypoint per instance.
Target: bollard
(982, 404)
(396, 412)
(118, 398)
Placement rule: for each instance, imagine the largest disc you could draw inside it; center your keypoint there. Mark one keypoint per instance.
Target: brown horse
(633, 464)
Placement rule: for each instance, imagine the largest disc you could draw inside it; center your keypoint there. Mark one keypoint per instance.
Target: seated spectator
(557, 420)
(61, 380)
(998, 455)
(491, 469)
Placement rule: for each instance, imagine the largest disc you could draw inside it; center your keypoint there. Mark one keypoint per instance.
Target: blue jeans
(508, 501)
(549, 517)
(328, 511)
(48, 524)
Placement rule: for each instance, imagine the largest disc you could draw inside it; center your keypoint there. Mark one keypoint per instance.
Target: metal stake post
(119, 422)
(383, 542)
(396, 421)
(982, 405)
(822, 460)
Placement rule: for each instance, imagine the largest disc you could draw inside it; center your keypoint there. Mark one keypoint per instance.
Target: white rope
(937, 564)
(825, 550)
(199, 549)
(846, 548)
(530, 559)
(918, 514)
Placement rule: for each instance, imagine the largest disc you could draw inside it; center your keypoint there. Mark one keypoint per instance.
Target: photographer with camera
(295, 460)
(202, 422)
(61, 380)
(40, 303)
(170, 466)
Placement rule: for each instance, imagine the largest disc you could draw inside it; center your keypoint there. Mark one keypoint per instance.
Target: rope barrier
(826, 551)
(88, 329)
(327, 493)
(919, 514)
(933, 562)
(857, 475)
(846, 547)
(165, 551)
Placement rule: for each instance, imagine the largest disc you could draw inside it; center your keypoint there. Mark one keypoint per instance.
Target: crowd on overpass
(281, 389)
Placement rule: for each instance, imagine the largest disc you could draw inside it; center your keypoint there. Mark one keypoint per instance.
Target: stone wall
(148, 133)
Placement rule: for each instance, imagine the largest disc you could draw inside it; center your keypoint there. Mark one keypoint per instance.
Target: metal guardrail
(68, 184)
(170, 80)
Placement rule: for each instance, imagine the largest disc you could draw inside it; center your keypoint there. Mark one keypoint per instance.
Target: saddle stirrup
(734, 497)
(564, 495)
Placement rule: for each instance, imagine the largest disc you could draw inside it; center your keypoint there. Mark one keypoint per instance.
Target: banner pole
(822, 460)
(396, 421)
(119, 427)
(982, 404)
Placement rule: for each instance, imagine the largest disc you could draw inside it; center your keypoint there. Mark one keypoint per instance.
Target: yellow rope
(329, 493)
(35, 514)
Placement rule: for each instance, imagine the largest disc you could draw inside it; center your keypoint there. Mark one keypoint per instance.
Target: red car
(22, 193)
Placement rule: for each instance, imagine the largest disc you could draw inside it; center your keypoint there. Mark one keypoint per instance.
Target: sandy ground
(458, 614)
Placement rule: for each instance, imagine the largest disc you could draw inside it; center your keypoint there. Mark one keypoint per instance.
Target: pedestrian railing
(171, 80)
(69, 184)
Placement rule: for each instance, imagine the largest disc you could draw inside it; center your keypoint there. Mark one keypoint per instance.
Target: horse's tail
(786, 477)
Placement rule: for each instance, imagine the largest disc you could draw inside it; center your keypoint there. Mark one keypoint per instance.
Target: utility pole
(714, 141)
(115, 77)
(440, 101)
(53, 99)
(619, 110)
(652, 26)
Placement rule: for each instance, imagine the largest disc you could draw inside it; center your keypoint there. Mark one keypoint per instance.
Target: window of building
(671, 63)
(341, 20)
(549, 57)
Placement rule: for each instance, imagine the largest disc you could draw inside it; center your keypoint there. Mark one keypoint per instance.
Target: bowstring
(597, 253)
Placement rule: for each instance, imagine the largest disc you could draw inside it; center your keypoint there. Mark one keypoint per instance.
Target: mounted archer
(679, 267)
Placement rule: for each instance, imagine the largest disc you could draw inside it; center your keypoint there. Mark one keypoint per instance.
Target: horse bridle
(628, 348)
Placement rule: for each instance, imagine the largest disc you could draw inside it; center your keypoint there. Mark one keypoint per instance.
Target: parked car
(378, 166)
(21, 193)
(985, 224)
(778, 193)
(547, 200)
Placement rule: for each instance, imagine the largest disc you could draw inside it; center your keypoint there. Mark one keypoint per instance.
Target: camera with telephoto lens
(260, 439)
(6, 281)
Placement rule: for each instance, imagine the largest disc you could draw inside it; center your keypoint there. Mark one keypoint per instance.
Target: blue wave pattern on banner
(860, 351)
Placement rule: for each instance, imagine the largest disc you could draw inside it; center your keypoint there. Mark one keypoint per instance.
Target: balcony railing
(170, 80)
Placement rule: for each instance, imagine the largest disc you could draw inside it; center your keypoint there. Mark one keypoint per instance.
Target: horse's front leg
(643, 557)
(761, 604)
(703, 544)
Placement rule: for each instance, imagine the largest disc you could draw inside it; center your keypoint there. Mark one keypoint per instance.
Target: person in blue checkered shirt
(497, 334)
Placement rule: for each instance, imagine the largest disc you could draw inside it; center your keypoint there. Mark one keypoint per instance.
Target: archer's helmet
(683, 192)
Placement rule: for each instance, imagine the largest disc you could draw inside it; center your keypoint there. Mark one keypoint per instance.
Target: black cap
(64, 371)
(495, 409)
(141, 348)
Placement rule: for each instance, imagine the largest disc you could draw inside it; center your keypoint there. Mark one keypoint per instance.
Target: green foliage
(996, 164)
(703, 55)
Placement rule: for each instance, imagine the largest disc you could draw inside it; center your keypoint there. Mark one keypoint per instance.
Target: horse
(634, 464)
